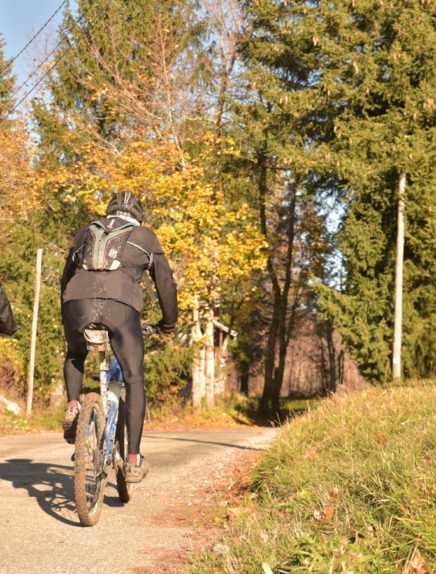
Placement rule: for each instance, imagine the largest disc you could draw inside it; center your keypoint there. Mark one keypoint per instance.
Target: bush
(12, 377)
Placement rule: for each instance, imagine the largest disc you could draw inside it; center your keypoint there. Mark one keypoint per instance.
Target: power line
(30, 76)
(12, 60)
(27, 94)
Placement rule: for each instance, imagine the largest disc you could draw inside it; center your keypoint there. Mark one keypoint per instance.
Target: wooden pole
(34, 331)
(398, 318)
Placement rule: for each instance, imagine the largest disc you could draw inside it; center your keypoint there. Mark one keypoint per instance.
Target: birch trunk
(398, 319)
(198, 367)
(210, 361)
(220, 378)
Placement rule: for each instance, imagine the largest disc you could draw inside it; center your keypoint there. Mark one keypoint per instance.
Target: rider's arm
(7, 323)
(166, 288)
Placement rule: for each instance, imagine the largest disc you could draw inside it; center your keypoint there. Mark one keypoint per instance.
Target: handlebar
(148, 330)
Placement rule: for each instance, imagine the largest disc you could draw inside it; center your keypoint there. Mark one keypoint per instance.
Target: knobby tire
(89, 475)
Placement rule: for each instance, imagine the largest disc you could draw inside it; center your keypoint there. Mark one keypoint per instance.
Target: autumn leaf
(381, 438)
(417, 565)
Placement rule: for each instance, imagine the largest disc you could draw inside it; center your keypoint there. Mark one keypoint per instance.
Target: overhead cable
(9, 63)
(27, 94)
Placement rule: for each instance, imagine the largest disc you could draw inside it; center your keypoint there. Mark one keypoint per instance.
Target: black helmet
(126, 202)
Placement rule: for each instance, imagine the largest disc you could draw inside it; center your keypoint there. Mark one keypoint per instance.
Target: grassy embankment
(349, 487)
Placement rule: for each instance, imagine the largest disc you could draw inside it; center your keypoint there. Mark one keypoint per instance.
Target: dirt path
(166, 520)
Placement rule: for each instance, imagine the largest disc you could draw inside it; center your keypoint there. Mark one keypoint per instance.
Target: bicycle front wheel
(89, 472)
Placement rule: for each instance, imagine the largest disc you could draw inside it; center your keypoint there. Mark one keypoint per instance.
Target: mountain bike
(101, 438)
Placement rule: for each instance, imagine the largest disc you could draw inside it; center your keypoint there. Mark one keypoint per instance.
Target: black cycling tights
(124, 326)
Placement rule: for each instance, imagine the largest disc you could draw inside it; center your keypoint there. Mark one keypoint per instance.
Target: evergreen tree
(284, 123)
(338, 101)
(121, 68)
(382, 77)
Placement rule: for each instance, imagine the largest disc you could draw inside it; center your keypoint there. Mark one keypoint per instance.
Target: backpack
(103, 246)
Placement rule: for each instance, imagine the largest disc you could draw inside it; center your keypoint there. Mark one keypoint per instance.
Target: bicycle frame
(101, 435)
(111, 384)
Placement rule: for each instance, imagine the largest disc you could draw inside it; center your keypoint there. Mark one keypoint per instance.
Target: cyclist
(114, 298)
(7, 322)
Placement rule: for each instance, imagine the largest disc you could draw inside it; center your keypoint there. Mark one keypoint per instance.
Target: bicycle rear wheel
(89, 473)
(124, 488)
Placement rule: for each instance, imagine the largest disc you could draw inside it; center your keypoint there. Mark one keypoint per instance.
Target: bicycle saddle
(96, 337)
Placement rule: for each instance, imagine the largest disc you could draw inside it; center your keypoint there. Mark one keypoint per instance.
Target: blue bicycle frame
(111, 382)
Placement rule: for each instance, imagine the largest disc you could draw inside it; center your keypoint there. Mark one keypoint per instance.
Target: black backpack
(103, 245)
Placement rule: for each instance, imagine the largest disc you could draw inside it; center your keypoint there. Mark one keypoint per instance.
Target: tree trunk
(220, 377)
(210, 361)
(271, 346)
(264, 410)
(398, 319)
(285, 322)
(198, 367)
(243, 383)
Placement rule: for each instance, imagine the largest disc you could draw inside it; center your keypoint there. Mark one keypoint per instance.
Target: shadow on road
(51, 485)
(196, 440)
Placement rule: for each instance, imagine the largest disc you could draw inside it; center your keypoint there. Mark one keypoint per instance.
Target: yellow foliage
(16, 173)
(207, 241)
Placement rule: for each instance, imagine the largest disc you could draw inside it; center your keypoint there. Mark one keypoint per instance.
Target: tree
(124, 71)
(210, 243)
(137, 86)
(15, 165)
(7, 81)
(381, 75)
(283, 126)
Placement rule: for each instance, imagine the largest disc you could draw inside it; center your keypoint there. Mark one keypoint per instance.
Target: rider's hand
(161, 327)
(158, 329)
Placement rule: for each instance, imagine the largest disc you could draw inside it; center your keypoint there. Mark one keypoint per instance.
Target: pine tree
(382, 76)
(284, 123)
(338, 101)
(120, 69)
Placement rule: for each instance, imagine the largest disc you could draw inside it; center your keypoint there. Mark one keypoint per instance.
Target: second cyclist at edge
(114, 298)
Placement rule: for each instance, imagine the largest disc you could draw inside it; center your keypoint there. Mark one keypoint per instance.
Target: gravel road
(154, 533)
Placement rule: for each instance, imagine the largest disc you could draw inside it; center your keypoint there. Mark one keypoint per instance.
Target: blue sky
(19, 21)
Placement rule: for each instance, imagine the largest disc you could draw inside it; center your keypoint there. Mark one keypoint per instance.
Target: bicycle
(101, 438)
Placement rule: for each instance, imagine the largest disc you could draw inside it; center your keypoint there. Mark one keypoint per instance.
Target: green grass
(40, 419)
(348, 487)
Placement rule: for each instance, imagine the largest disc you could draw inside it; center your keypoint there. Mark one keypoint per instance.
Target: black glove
(158, 328)
(161, 327)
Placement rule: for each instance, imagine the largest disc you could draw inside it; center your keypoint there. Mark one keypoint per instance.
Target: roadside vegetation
(268, 142)
(236, 410)
(349, 487)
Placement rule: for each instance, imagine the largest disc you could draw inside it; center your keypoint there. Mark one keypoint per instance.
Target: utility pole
(34, 331)
(398, 318)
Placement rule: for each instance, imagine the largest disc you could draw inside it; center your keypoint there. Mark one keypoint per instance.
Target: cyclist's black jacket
(141, 252)
(7, 323)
